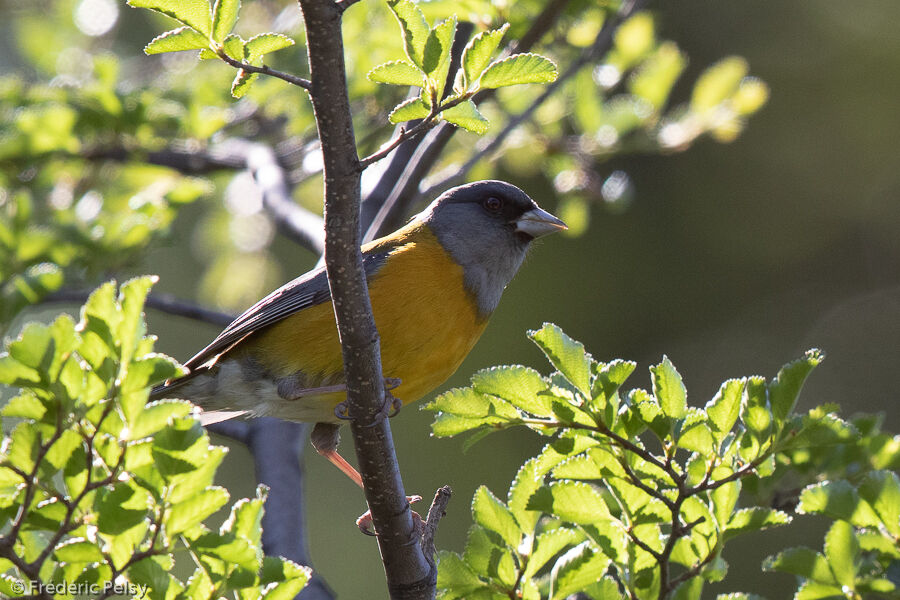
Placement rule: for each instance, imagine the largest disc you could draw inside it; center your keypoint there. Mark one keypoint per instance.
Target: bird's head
(487, 227)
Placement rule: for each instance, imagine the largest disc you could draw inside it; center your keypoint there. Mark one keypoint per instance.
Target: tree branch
(408, 573)
(306, 84)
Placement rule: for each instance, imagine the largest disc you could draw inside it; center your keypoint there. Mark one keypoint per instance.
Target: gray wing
(305, 291)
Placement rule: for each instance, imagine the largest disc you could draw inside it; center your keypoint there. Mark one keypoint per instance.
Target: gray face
(487, 227)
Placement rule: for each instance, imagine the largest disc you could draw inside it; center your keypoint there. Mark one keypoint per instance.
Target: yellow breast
(427, 321)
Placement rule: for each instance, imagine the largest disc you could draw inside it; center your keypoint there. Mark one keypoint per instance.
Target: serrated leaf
(415, 30)
(492, 514)
(838, 500)
(397, 72)
(571, 501)
(547, 545)
(436, 58)
(192, 511)
(183, 38)
(78, 550)
(478, 52)
(414, 108)
(756, 518)
(25, 406)
(225, 13)
(242, 82)
(291, 578)
(881, 490)
(577, 568)
(803, 562)
(724, 408)
(566, 354)
(454, 574)
(518, 385)
(229, 548)
(842, 553)
(530, 476)
(466, 116)
(264, 43)
(519, 68)
(193, 13)
(784, 389)
(669, 389)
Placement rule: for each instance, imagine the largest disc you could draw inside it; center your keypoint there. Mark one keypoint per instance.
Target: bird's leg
(325, 438)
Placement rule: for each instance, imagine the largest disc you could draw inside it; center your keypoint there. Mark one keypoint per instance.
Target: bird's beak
(538, 222)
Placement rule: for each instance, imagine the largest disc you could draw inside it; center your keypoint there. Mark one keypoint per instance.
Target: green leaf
(530, 476)
(842, 553)
(415, 30)
(78, 550)
(718, 83)
(229, 548)
(669, 389)
(436, 58)
(264, 43)
(120, 508)
(28, 288)
(225, 14)
(547, 545)
(492, 514)
(881, 490)
(157, 415)
(192, 511)
(838, 500)
(397, 72)
(414, 108)
(466, 116)
(802, 562)
(724, 408)
(454, 574)
(25, 406)
(566, 354)
(696, 434)
(756, 518)
(576, 569)
(287, 576)
(193, 13)
(689, 590)
(571, 501)
(183, 38)
(786, 386)
(519, 68)
(241, 83)
(246, 516)
(23, 447)
(520, 386)
(478, 52)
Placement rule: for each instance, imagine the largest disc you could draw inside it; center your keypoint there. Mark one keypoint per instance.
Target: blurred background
(731, 259)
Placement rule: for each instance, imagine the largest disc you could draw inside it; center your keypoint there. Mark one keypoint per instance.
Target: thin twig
(306, 84)
(435, 514)
(426, 123)
(162, 302)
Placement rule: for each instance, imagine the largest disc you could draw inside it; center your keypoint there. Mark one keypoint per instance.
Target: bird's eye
(493, 204)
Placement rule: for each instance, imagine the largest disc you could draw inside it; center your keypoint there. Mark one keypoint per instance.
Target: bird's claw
(366, 525)
(392, 405)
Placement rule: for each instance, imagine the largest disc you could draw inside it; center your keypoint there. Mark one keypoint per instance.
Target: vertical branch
(408, 573)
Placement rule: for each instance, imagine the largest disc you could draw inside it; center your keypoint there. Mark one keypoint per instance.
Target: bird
(433, 284)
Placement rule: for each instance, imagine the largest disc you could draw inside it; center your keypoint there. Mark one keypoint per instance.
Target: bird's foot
(365, 524)
(390, 408)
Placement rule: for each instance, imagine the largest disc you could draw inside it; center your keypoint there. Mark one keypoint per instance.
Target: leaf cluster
(427, 66)
(97, 485)
(208, 28)
(638, 492)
